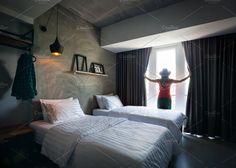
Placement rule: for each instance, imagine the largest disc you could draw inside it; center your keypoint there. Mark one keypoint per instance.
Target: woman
(164, 98)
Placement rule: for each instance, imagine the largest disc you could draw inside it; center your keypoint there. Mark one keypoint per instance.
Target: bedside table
(17, 146)
(14, 131)
(18, 135)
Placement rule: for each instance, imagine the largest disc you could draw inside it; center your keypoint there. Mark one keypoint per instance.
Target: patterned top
(164, 90)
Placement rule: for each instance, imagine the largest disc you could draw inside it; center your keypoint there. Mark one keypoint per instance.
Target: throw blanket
(24, 86)
(108, 142)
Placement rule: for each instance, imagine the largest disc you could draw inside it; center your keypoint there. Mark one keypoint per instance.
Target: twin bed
(106, 141)
(173, 120)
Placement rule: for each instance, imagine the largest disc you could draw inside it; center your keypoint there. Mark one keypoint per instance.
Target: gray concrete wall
(77, 36)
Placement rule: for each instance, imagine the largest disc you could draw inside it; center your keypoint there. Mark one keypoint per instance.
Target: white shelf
(90, 73)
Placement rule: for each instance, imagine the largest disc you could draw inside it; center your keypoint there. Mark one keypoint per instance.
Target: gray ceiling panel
(105, 12)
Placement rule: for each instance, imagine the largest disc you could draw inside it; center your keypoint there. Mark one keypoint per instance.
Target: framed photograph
(97, 68)
(81, 62)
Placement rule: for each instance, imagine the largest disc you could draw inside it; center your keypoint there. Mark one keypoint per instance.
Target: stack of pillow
(60, 110)
(109, 102)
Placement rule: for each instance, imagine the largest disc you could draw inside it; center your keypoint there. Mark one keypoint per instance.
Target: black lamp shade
(56, 48)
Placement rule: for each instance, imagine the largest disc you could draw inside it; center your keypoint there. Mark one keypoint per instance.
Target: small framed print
(97, 68)
(81, 62)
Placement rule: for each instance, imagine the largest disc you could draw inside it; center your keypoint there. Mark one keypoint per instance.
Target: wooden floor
(194, 153)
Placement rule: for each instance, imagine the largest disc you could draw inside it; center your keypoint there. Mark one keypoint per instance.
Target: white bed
(170, 119)
(40, 128)
(105, 142)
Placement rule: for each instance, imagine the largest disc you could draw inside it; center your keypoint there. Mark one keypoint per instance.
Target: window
(166, 58)
(173, 59)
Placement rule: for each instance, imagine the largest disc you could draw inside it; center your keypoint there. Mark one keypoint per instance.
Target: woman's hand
(189, 72)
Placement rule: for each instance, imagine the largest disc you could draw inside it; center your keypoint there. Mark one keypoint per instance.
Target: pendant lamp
(56, 48)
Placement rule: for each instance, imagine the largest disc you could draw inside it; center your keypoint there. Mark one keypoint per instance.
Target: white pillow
(64, 111)
(100, 101)
(112, 102)
(50, 101)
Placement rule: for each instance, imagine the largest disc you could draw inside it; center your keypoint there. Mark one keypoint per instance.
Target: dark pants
(164, 103)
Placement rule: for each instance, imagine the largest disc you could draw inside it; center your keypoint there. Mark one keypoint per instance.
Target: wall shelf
(22, 42)
(89, 73)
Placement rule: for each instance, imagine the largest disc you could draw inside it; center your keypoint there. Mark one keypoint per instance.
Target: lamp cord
(57, 21)
(49, 17)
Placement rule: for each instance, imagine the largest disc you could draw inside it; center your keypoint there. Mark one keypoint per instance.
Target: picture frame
(81, 62)
(97, 68)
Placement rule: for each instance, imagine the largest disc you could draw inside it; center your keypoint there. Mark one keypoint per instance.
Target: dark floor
(194, 153)
(22, 153)
(205, 153)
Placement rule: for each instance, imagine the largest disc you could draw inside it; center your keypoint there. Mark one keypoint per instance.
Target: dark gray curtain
(130, 84)
(211, 103)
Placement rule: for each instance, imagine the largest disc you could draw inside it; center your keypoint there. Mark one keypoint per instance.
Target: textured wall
(11, 111)
(77, 36)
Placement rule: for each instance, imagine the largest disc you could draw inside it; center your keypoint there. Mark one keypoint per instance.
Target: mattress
(178, 118)
(40, 128)
(170, 119)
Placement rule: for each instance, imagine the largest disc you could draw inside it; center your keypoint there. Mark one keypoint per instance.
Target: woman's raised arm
(152, 80)
(181, 80)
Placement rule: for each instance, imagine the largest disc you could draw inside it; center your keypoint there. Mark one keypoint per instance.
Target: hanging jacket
(24, 85)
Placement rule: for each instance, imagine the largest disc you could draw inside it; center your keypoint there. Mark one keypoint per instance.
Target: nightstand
(15, 132)
(16, 146)
(18, 135)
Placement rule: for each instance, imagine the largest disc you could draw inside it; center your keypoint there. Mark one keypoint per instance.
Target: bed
(105, 142)
(101, 141)
(40, 128)
(172, 120)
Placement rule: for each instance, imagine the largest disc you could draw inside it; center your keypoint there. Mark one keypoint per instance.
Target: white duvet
(108, 142)
(172, 120)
